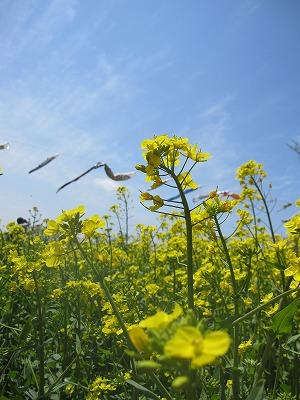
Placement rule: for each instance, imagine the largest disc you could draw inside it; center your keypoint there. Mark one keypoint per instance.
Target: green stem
(255, 310)
(271, 230)
(235, 373)
(41, 340)
(162, 388)
(189, 242)
(277, 373)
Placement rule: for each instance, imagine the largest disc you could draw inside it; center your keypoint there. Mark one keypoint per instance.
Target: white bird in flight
(108, 171)
(45, 162)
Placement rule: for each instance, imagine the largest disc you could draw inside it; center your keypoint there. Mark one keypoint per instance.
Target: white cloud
(106, 184)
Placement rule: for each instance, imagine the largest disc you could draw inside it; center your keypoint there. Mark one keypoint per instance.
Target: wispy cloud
(106, 184)
(30, 33)
(211, 130)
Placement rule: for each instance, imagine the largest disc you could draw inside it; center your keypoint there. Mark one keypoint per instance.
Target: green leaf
(282, 321)
(142, 389)
(257, 391)
(293, 339)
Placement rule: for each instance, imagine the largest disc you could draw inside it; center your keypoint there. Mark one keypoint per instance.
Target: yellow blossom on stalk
(52, 228)
(99, 387)
(272, 310)
(53, 254)
(165, 151)
(67, 215)
(293, 225)
(144, 196)
(190, 344)
(157, 201)
(250, 169)
(57, 293)
(151, 288)
(245, 345)
(214, 205)
(28, 284)
(267, 298)
(186, 180)
(161, 319)
(229, 383)
(138, 337)
(90, 225)
(69, 389)
(294, 269)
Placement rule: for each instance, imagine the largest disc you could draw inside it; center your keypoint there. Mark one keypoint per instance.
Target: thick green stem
(189, 242)
(235, 373)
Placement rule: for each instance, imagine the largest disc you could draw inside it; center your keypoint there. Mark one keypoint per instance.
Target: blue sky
(91, 79)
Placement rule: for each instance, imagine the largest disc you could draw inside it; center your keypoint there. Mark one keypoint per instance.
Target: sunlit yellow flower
(52, 228)
(67, 215)
(245, 345)
(138, 337)
(186, 181)
(250, 169)
(161, 319)
(293, 225)
(53, 254)
(294, 269)
(90, 225)
(189, 343)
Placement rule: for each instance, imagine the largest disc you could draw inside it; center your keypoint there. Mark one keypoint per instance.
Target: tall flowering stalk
(164, 155)
(169, 162)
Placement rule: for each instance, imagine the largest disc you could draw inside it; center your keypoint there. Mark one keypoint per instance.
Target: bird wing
(178, 195)
(117, 177)
(98, 165)
(124, 177)
(47, 161)
(4, 146)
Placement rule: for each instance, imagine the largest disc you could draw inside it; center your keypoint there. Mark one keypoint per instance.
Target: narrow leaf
(282, 321)
(257, 391)
(142, 389)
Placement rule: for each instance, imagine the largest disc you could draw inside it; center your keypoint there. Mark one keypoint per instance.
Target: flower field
(181, 310)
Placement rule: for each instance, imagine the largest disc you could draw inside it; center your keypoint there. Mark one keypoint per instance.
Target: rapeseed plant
(87, 312)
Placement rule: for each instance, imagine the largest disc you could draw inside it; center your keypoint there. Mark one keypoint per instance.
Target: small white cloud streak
(106, 184)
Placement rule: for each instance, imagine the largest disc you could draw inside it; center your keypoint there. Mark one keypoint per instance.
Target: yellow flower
(189, 343)
(161, 319)
(67, 215)
(250, 169)
(229, 383)
(53, 254)
(151, 289)
(293, 225)
(245, 345)
(186, 180)
(90, 225)
(294, 269)
(138, 337)
(52, 228)
(267, 298)
(157, 201)
(144, 196)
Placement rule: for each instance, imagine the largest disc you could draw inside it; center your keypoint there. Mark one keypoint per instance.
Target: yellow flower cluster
(99, 387)
(249, 170)
(163, 153)
(179, 340)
